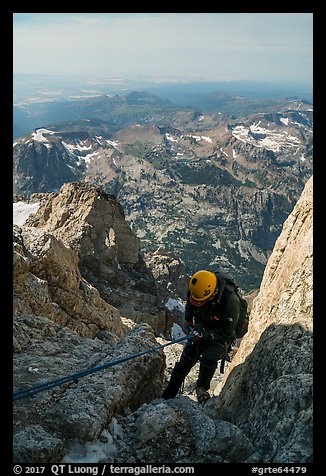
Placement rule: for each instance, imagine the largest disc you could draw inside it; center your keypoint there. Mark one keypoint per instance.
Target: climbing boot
(202, 394)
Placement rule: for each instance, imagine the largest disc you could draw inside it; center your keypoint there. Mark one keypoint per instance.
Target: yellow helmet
(202, 285)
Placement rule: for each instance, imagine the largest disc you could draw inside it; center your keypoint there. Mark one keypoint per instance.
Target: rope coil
(27, 392)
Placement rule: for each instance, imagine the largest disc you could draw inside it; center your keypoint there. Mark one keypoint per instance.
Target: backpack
(243, 321)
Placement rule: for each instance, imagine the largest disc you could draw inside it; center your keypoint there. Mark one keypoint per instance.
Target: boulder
(78, 410)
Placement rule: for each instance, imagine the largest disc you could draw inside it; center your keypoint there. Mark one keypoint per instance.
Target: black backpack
(243, 321)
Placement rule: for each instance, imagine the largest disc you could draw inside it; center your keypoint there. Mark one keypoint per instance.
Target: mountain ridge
(138, 105)
(202, 185)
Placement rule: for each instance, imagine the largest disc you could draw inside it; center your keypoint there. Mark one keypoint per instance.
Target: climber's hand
(188, 327)
(199, 330)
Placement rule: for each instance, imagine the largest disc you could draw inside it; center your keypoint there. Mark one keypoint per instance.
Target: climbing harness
(27, 392)
(225, 358)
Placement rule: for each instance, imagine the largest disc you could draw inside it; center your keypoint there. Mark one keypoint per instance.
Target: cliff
(268, 388)
(92, 224)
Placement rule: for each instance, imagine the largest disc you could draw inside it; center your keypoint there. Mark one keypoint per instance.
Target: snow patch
(113, 143)
(264, 138)
(88, 157)
(170, 138)
(38, 134)
(22, 210)
(177, 333)
(174, 304)
(198, 138)
(73, 148)
(91, 452)
(32, 369)
(285, 120)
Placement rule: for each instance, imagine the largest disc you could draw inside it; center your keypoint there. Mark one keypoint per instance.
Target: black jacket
(217, 318)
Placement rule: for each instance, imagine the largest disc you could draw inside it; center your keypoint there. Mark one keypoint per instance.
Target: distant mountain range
(122, 110)
(117, 111)
(212, 188)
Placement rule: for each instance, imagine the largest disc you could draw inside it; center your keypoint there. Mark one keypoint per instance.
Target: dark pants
(208, 352)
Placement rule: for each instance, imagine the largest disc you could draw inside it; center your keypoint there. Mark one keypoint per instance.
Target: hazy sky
(222, 46)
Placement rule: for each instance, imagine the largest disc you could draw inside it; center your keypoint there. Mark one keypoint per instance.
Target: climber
(211, 313)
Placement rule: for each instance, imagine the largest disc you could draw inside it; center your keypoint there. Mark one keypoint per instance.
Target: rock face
(180, 431)
(46, 423)
(92, 224)
(169, 272)
(268, 388)
(47, 282)
(171, 281)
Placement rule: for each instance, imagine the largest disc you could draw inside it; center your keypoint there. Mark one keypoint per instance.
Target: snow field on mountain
(22, 210)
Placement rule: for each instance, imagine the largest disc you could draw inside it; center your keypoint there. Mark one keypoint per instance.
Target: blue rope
(27, 392)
